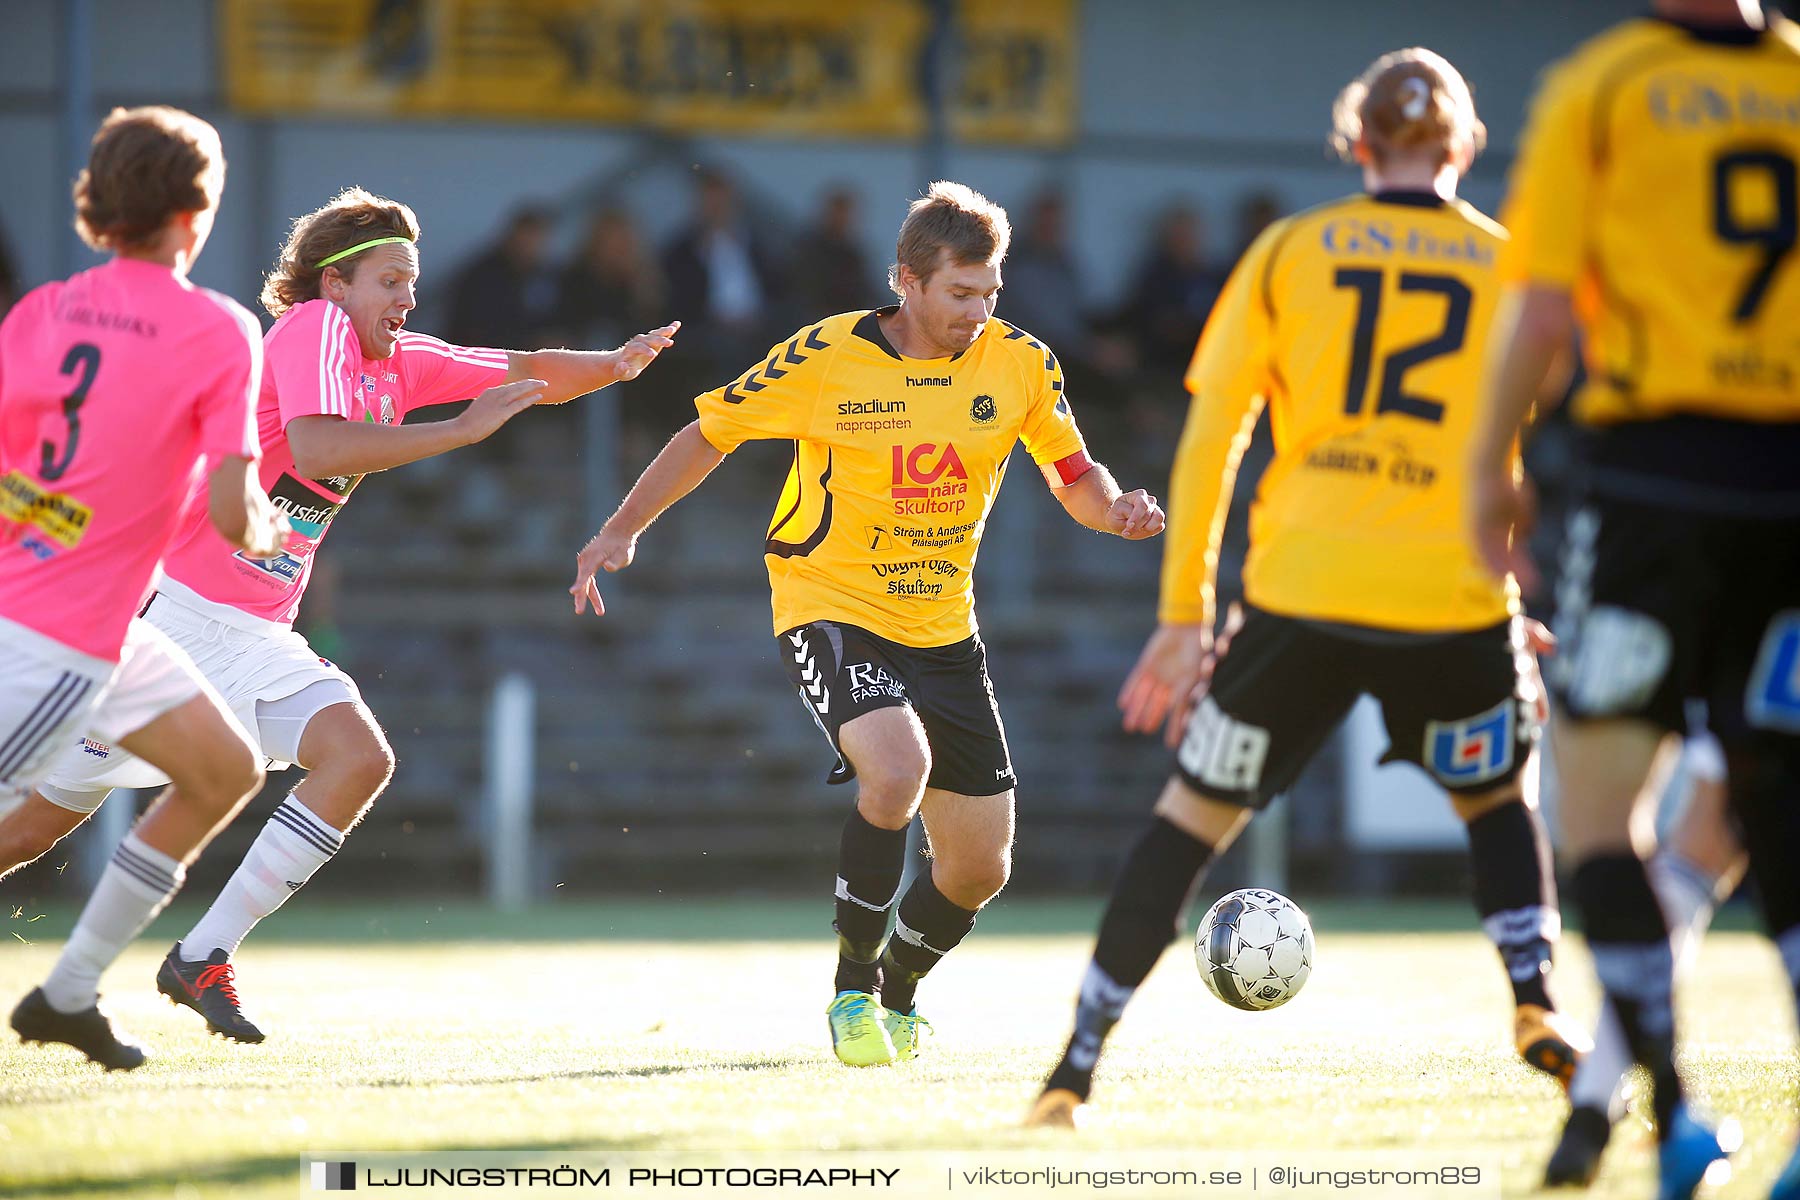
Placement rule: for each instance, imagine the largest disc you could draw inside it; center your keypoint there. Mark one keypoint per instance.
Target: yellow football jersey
(1657, 181)
(1362, 324)
(896, 464)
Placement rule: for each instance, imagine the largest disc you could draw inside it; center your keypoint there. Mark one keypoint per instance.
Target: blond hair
(146, 165)
(1408, 100)
(351, 217)
(949, 219)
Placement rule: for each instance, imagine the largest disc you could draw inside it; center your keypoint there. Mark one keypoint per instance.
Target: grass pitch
(694, 1024)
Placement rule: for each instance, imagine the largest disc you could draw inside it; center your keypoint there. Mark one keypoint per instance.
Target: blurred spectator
(723, 281)
(1173, 292)
(1256, 211)
(1043, 293)
(612, 289)
(831, 272)
(505, 297)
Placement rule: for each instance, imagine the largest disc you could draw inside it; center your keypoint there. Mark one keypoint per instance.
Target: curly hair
(353, 216)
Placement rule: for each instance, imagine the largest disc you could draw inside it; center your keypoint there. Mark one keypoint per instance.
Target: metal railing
(509, 766)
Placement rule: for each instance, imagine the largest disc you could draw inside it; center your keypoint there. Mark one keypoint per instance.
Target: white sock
(293, 845)
(1686, 894)
(1598, 1080)
(137, 884)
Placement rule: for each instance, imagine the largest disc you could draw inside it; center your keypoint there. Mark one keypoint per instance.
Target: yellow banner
(58, 516)
(847, 68)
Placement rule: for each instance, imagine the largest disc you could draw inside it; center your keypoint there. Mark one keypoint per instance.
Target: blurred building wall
(665, 740)
(1193, 98)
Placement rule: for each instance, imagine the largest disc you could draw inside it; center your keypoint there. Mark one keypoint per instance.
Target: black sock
(870, 863)
(929, 926)
(1515, 893)
(1147, 911)
(1630, 943)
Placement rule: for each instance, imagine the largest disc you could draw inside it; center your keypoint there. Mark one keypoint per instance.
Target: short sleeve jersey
(1362, 325)
(896, 465)
(119, 388)
(1658, 180)
(316, 368)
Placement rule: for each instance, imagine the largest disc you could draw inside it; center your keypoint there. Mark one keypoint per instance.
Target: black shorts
(1461, 706)
(842, 671)
(1657, 606)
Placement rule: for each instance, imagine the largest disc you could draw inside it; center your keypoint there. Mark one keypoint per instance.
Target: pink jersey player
(342, 372)
(117, 387)
(126, 400)
(315, 367)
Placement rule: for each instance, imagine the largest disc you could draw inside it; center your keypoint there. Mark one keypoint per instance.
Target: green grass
(698, 1024)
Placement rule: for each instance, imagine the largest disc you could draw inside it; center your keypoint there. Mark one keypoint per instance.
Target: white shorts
(53, 695)
(270, 679)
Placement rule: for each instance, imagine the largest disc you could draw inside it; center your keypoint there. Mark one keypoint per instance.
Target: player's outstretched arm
(241, 511)
(325, 446)
(678, 470)
(1531, 333)
(571, 373)
(1095, 501)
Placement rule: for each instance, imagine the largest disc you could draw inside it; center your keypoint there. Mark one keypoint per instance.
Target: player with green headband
(346, 252)
(342, 372)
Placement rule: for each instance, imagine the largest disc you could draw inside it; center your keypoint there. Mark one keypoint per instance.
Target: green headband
(360, 247)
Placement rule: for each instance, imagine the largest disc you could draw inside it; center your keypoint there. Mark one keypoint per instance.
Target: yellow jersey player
(1655, 207)
(1360, 324)
(902, 420)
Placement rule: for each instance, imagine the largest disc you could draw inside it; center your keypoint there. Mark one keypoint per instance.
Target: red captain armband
(1065, 471)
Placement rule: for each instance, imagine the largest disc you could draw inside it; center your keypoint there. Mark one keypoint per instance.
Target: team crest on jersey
(386, 405)
(1474, 750)
(983, 410)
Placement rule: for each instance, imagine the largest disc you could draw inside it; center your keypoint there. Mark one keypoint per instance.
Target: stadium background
(667, 752)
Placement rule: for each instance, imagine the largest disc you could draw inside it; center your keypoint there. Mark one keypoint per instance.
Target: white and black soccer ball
(1254, 949)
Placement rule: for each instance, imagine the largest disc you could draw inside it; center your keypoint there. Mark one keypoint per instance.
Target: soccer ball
(1254, 949)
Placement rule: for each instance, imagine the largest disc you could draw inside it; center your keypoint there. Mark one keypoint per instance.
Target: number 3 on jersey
(83, 359)
(1393, 396)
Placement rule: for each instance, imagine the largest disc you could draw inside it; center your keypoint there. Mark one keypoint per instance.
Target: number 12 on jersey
(1393, 396)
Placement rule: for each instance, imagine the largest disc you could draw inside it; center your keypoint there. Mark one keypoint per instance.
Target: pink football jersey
(120, 388)
(316, 367)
